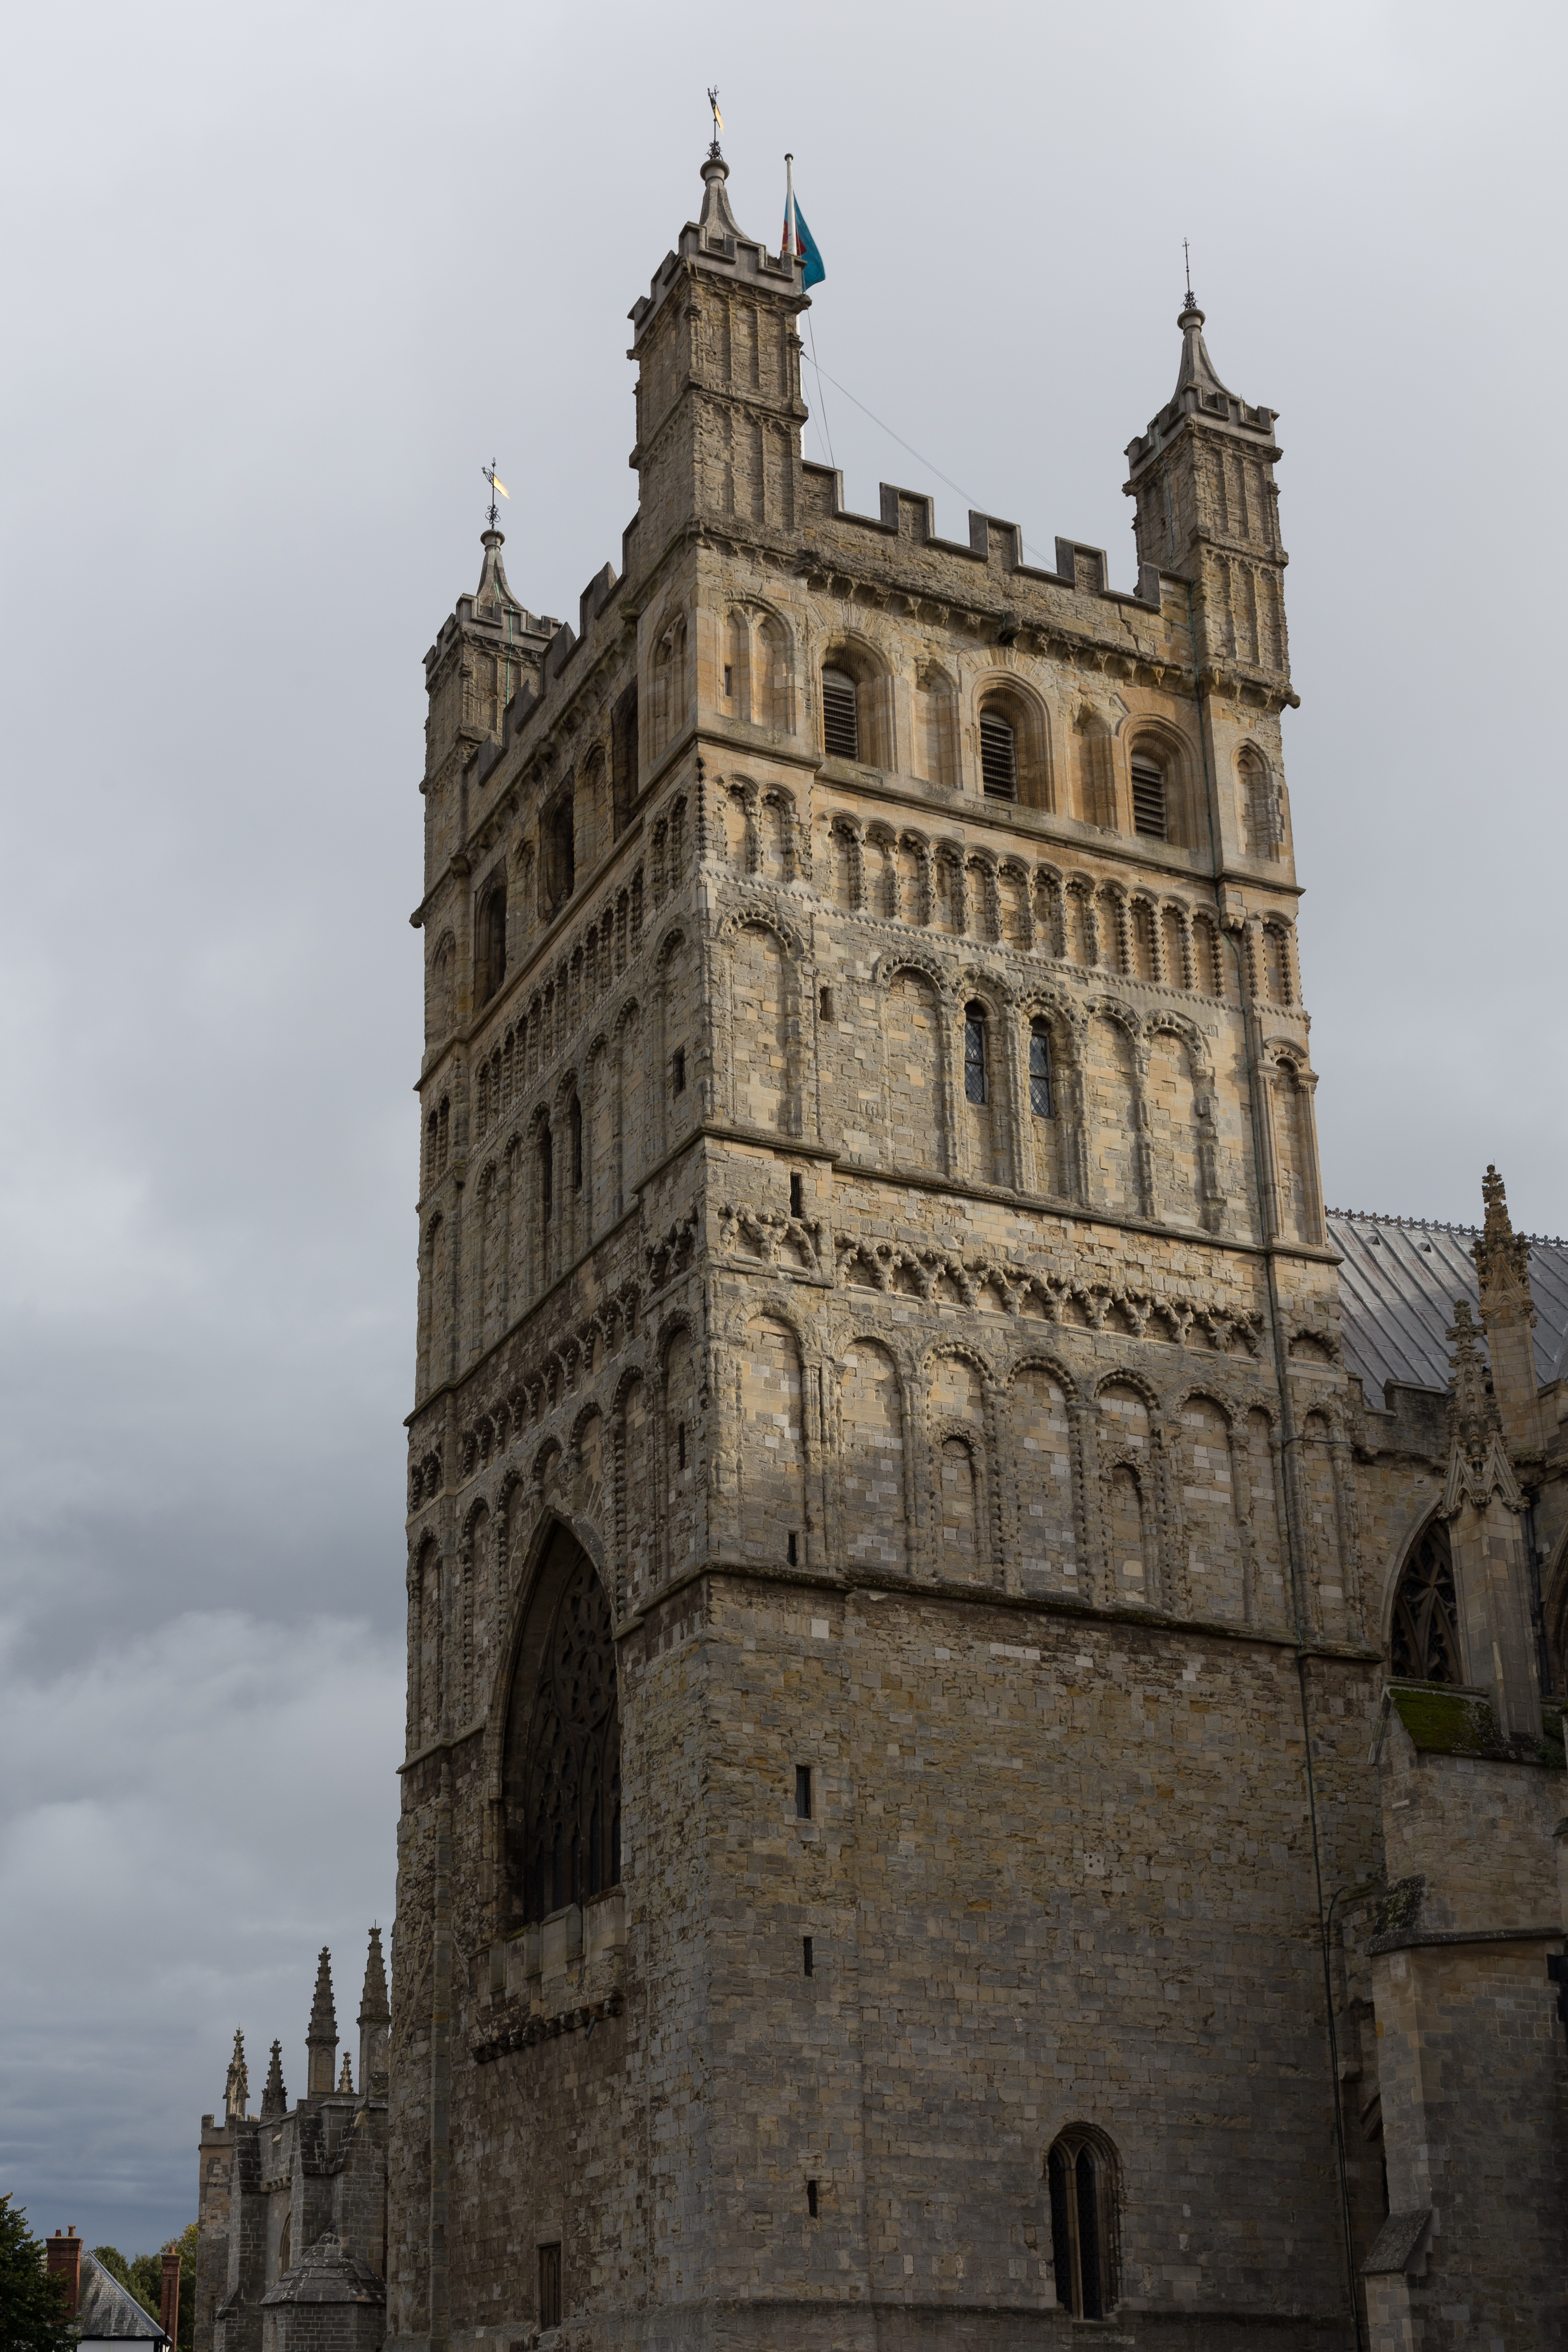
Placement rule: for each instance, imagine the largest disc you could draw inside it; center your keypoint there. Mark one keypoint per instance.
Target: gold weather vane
(494, 480)
(718, 119)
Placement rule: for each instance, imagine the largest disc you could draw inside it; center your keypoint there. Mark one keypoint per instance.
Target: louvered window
(998, 757)
(975, 1088)
(840, 717)
(1041, 1070)
(1148, 799)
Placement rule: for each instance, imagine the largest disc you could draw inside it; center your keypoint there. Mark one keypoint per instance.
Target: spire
(493, 596)
(375, 2024)
(716, 222)
(1197, 370)
(237, 2090)
(273, 2098)
(322, 2037)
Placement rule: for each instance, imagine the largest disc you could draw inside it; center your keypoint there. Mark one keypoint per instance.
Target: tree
(32, 2304)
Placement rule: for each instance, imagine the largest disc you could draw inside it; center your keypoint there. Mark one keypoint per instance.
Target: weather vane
(718, 119)
(1187, 257)
(494, 480)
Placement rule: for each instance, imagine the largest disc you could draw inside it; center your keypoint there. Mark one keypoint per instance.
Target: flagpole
(789, 210)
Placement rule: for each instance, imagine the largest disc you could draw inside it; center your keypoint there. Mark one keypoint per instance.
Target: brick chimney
(169, 2302)
(65, 2261)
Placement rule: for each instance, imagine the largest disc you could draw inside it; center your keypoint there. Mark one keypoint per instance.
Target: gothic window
(550, 2284)
(563, 1740)
(492, 943)
(998, 756)
(1265, 818)
(1080, 2171)
(1424, 1640)
(1040, 1070)
(574, 1121)
(558, 852)
(840, 715)
(1150, 815)
(624, 757)
(974, 1083)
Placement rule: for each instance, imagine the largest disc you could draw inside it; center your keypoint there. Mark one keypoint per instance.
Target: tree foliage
(32, 2304)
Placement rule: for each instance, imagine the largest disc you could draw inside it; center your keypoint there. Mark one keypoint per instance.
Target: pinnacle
(274, 2098)
(375, 2008)
(346, 2080)
(323, 2015)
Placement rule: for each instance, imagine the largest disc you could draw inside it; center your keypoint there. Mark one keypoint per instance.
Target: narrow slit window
(681, 1445)
(808, 1964)
(1148, 811)
(550, 2287)
(792, 1549)
(798, 1196)
(840, 715)
(1039, 1069)
(576, 1121)
(811, 2198)
(824, 1004)
(729, 681)
(678, 1071)
(546, 1180)
(998, 757)
(803, 1792)
(974, 1083)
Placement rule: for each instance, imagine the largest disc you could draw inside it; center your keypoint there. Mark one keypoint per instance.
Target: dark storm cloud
(277, 281)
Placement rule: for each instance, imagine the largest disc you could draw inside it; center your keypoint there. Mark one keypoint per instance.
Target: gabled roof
(1398, 1283)
(107, 2309)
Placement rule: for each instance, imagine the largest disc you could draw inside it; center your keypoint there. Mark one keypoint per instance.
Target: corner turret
(1207, 510)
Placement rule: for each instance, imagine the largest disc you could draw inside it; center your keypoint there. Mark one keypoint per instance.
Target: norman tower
(894, 1642)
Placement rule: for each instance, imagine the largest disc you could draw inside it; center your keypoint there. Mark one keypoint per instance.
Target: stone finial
(1478, 1459)
(321, 2039)
(375, 2024)
(716, 221)
(346, 2080)
(1502, 1257)
(237, 2090)
(274, 2098)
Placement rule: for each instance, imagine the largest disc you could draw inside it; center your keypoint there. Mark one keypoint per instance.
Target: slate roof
(107, 2310)
(1398, 1282)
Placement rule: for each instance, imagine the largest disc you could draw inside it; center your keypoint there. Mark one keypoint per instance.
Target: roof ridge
(1434, 1225)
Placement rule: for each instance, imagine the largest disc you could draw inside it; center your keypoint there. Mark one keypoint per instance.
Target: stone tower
(891, 1660)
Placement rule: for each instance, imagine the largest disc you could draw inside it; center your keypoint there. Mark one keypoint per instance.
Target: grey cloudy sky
(277, 279)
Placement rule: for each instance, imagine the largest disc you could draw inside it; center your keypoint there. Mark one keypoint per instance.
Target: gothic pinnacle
(323, 2013)
(237, 2090)
(375, 2008)
(274, 2098)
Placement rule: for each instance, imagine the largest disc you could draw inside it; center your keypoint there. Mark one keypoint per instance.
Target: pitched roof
(107, 2309)
(1398, 1281)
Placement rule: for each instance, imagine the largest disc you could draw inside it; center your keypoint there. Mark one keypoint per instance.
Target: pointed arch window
(492, 943)
(840, 715)
(1081, 2173)
(975, 1084)
(1424, 1640)
(1040, 1068)
(565, 1747)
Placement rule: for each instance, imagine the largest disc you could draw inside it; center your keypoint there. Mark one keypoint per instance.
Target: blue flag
(806, 248)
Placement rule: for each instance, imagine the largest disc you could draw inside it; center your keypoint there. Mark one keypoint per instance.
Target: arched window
(1040, 1068)
(546, 1177)
(1424, 1640)
(1081, 2173)
(1150, 812)
(564, 1742)
(558, 851)
(492, 942)
(998, 755)
(840, 715)
(975, 1082)
(1260, 802)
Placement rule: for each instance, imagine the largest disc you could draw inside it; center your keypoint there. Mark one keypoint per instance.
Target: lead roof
(1398, 1282)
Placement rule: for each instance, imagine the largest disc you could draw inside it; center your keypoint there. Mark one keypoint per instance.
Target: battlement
(994, 544)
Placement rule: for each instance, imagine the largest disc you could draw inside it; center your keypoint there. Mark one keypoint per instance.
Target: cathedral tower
(881, 1523)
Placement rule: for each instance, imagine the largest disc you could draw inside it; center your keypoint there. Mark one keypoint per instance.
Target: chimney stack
(65, 2261)
(169, 2303)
